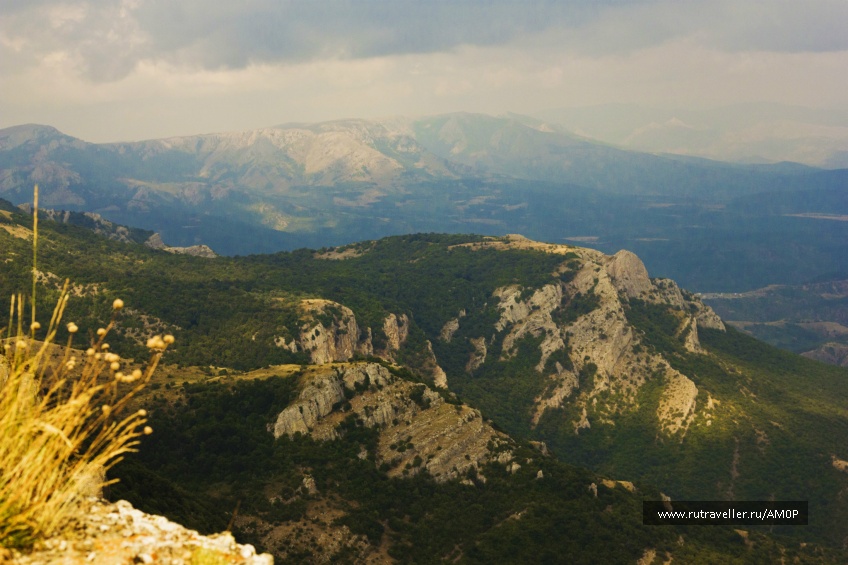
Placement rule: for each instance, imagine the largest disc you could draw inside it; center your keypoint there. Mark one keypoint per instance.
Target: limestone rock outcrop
(630, 277)
(329, 333)
(118, 533)
(677, 403)
(590, 354)
(432, 368)
(322, 393)
(419, 430)
(450, 328)
(629, 274)
(155, 242)
(478, 356)
(396, 329)
(706, 316)
(600, 358)
(531, 316)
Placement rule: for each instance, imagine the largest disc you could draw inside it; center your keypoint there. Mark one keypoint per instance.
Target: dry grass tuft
(61, 419)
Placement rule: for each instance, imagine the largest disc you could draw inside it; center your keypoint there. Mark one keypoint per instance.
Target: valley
(809, 319)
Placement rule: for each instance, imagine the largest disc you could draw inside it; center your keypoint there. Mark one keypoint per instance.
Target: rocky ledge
(117, 533)
(155, 242)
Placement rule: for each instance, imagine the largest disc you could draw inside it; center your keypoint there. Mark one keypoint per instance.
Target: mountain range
(339, 182)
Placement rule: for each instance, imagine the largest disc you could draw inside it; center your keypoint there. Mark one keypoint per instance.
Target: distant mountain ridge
(331, 183)
(377, 153)
(742, 133)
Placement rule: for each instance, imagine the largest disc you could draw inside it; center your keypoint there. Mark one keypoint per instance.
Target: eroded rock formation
(419, 430)
(583, 327)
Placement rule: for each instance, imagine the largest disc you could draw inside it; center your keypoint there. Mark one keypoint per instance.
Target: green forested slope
(776, 426)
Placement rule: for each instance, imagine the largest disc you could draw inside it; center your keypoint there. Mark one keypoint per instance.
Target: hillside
(388, 399)
(810, 319)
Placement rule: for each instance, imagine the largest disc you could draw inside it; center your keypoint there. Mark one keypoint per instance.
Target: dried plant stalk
(61, 427)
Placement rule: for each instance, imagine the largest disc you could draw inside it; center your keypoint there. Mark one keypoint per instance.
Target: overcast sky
(109, 70)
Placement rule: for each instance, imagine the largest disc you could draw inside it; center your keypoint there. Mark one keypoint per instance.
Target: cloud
(779, 26)
(784, 26)
(162, 99)
(105, 40)
(107, 69)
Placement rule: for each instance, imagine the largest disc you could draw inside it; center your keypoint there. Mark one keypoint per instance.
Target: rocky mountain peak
(598, 359)
(629, 274)
(29, 133)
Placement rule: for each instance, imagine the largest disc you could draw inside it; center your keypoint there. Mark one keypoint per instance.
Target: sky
(124, 70)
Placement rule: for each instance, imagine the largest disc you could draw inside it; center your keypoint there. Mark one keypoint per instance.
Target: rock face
(530, 316)
(330, 332)
(323, 393)
(677, 403)
(478, 356)
(440, 378)
(605, 339)
(591, 355)
(396, 329)
(629, 274)
(589, 352)
(451, 326)
(419, 430)
(600, 360)
(118, 533)
(90, 220)
(449, 329)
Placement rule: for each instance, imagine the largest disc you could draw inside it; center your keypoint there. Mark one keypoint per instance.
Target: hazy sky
(108, 70)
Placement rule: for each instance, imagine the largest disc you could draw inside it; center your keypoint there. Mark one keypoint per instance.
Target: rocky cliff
(601, 359)
(419, 430)
(591, 355)
(330, 333)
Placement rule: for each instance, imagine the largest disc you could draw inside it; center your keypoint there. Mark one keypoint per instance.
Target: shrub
(61, 427)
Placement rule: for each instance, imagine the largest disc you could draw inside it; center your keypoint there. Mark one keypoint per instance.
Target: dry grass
(62, 421)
